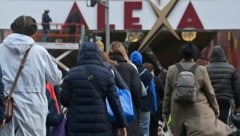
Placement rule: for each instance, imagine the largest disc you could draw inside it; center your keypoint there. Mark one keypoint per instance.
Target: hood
(89, 53)
(136, 57)
(18, 43)
(218, 55)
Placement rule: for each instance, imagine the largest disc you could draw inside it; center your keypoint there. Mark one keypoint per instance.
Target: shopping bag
(60, 129)
(164, 129)
(126, 102)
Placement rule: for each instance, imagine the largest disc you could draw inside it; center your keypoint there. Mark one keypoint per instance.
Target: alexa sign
(130, 22)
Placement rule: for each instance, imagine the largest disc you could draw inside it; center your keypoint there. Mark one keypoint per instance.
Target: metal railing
(59, 32)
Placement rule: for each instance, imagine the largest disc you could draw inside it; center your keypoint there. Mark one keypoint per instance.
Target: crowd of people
(41, 91)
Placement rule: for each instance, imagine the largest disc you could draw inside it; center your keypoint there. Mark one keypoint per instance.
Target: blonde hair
(117, 47)
(107, 59)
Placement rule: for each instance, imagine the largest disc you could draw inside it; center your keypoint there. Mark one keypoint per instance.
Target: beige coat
(198, 119)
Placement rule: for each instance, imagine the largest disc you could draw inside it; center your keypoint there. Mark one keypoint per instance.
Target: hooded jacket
(149, 102)
(30, 101)
(223, 76)
(87, 114)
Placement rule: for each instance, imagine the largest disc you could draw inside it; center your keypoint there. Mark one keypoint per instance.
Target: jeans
(145, 122)
(45, 36)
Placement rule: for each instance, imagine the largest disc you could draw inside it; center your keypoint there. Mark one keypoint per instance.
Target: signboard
(127, 14)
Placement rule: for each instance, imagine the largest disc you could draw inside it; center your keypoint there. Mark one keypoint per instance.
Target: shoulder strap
(193, 68)
(142, 72)
(19, 72)
(90, 78)
(179, 67)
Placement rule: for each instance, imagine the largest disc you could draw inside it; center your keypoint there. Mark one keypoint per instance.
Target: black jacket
(131, 78)
(223, 76)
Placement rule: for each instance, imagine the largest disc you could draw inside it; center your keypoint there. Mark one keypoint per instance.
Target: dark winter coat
(87, 114)
(45, 21)
(2, 107)
(223, 75)
(130, 76)
(74, 20)
(133, 81)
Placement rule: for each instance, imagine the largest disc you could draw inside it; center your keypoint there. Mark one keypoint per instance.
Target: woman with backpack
(198, 117)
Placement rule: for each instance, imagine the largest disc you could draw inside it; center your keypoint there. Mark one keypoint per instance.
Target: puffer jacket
(87, 114)
(223, 75)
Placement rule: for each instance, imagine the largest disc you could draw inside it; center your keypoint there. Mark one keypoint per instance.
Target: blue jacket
(2, 107)
(149, 102)
(87, 114)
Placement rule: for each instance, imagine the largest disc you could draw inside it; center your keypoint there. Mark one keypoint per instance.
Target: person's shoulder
(202, 69)
(172, 67)
(39, 47)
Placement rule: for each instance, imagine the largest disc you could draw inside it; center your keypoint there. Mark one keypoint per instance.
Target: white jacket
(30, 101)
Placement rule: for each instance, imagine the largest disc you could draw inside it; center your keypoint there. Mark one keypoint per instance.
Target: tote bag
(126, 102)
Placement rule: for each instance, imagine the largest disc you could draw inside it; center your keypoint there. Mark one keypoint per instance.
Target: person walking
(110, 64)
(87, 113)
(30, 101)
(46, 19)
(159, 86)
(55, 114)
(127, 70)
(149, 102)
(226, 83)
(73, 25)
(199, 117)
(2, 107)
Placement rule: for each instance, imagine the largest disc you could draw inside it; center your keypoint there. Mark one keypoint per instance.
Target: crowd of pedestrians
(39, 95)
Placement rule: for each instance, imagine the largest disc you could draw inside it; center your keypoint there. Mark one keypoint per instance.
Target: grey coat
(198, 118)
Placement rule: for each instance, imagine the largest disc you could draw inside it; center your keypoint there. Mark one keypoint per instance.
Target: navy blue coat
(87, 114)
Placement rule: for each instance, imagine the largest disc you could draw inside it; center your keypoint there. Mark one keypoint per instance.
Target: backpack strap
(90, 77)
(179, 67)
(140, 74)
(192, 68)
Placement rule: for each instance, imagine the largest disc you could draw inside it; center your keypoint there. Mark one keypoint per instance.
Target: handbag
(125, 99)
(127, 106)
(8, 99)
(60, 129)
